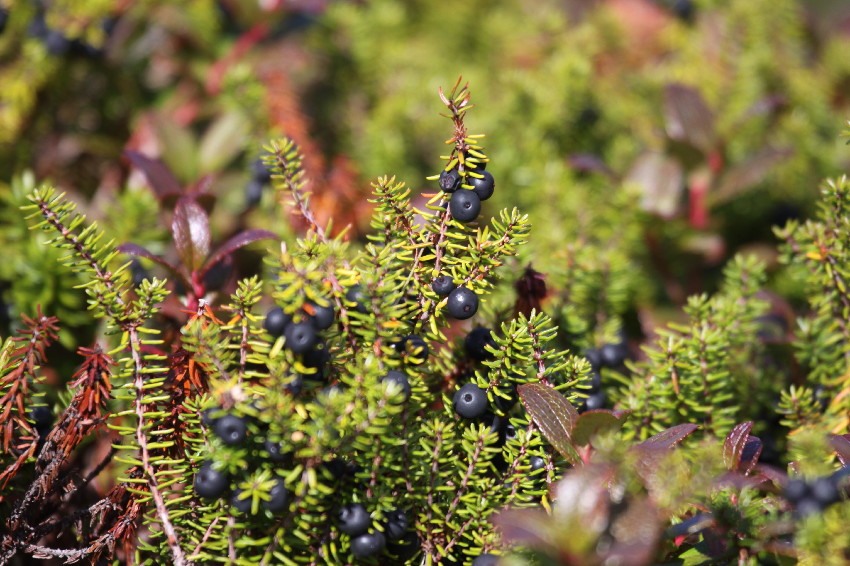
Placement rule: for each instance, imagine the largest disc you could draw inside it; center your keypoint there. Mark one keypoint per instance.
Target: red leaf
(841, 444)
(591, 423)
(687, 117)
(669, 438)
(750, 454)
(191, 230)
(239, 240)
(159, 176)
(733, 447)
(749, 173)
(553, 414)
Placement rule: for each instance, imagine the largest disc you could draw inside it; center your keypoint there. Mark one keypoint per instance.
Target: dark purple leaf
(553, 414)
(637, 531)
(733, 447)
(687, 117)
(841, 444)
(591, 423)
(139, 251)
(159, 176)
(660, 179)
(669, 438)
(191, 230)
(750, 454)
(748, 174)
(239, 240)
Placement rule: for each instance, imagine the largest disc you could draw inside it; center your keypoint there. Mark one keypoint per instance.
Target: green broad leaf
(597, 421)
(553, 414)
(734, 445)
(191, 230)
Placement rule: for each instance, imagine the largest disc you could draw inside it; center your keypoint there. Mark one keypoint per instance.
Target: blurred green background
(649, 140)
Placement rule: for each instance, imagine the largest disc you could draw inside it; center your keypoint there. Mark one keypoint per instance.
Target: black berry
(477, 165)
(536, 464)
(279, 497)
(405, 548)
(486, 559)
(368, 544)
(253, 193)
(57, 44)
(612, 355)
(354, 520)
(323, 316)
(396, 524)
(462, 303)
(796, 490)
(416, 349)
(4, 17)
(684, 10)
(241, 505)
(260, 172)
(276, 322)
(42, 418)
(357, 299)
(300, 337)
(395, 376)
(450, 181)
(231, 429)
(476, 342)
(592, 356)
(317, 359)
(596, 401)
(506, 403)
(443, 285)
(595, 382)
(470, 401)
(483, 186)
(274, 451)
(507, 434)
(464, 205)
(825, 491)
(210, 483)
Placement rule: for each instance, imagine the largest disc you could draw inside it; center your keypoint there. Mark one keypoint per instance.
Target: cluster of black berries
(608, 356)
(462, 302)
(809, 497)
(213, 484)
(59, 45)
(261, 175)
(356, 522)
(302, 337)
(468, 184)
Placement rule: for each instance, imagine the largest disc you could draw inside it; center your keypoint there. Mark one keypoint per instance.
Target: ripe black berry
(42, 418)
(56, 42)
(825, 491)
(505, 404)
(612, 355)
(536, 464)
(483, 186)
(241, 505)
(276, 321)
(231, 429)
(595, 382)
(300, 336)
(592, 356)
(486, 559)
(416, 349)
(395, 376)
(477, 166)
(357, 299)
(464, 205)
(273, 449)
(279, 497)
(462, 303)
(210, 483)
(507, 434)
(684, 10)
(396, 524)
(354, 520)
(405, 548)
(260, 172)
(470, 401)
(317, 359)
(253, 193)
(323, 316)
(796, 490)
(443, 285)
(476, 342)
(450, 181)
(596, 401)
(368, 544)
(4, 17)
